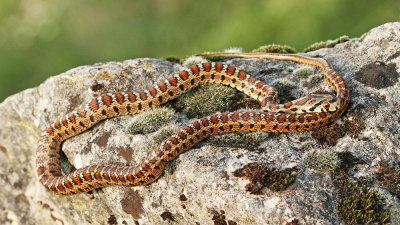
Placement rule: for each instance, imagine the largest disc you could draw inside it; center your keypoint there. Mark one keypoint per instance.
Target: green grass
(39, 39)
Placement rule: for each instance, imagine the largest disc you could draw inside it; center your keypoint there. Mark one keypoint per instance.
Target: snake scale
(302, 114)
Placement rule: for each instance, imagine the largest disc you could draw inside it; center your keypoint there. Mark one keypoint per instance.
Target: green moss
(357, 203)
(389, 177)
(322, 160)
(326, 44)
(207, 99)
(284, 87)
(275, 49)
(303, 72)
(315, 78)
(151, 121)
(216, 58)
(238, 139)
(261, 176)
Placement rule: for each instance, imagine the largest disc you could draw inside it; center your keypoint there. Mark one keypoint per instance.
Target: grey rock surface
(199, 186)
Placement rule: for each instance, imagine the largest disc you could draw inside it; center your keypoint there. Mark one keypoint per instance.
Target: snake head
(322, 103)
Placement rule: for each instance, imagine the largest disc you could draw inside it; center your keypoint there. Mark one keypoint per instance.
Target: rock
(200, 187)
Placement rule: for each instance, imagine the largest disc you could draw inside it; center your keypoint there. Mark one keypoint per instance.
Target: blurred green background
(41, 38)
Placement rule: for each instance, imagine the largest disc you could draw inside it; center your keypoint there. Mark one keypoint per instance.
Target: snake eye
(326, 105)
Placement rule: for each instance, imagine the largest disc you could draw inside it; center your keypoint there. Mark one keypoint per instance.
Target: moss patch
(207, 99)
(248, 140)
(389, 177)
(284, 88)
(321, 160)
(357, 204)
(314, 79)
(219, 218)
(275, 49)
(261, 176)
(151, 121)
(303, 72)
(333, 132)
(326, 44)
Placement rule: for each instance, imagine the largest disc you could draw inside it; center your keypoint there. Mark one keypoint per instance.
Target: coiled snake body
(302, 114)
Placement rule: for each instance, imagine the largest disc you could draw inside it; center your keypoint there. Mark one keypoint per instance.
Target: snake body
(306, 113)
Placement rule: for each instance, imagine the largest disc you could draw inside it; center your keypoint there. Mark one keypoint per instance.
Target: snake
(302, 114)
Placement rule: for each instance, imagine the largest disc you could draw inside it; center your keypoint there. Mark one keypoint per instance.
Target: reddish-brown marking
(87, 177)
(53, 188)
(230, 70)
(68, 184)
(323, 115)
(287, 105)
(207, 67)
(214, 119)
(246, 116)
(57, 125)
(292, 118)
(218, 67)
(97, 175)
(342, 85)
(41, 170)
(183, 75)
(281, 118)
(182, 135)
(131, 97)
(167, 147)
(302, 102)
(195, 70)
(142, 95)
(235, 116)
(257, 116)
(224, 117)
(189, 130)
(273, 107)
(242, 75)
(94, 105)
(50, 131)
(173, 81)
(197, 125)
(173, 140)
(72, 118)
(77, 180)
(204, 122)
(130, 176)
(81, 111)
(113, 177)
(339, 80)
(252, 79)
(139, 173)
(121, 178)
(269, 117)
(119, 97)
(146, 167)
(301, 118)
(107, 100)
(260, 84)
(64, 122)
(153, 92)
(163, 87)
(61, 187)
(265, 101)
(106, 176)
